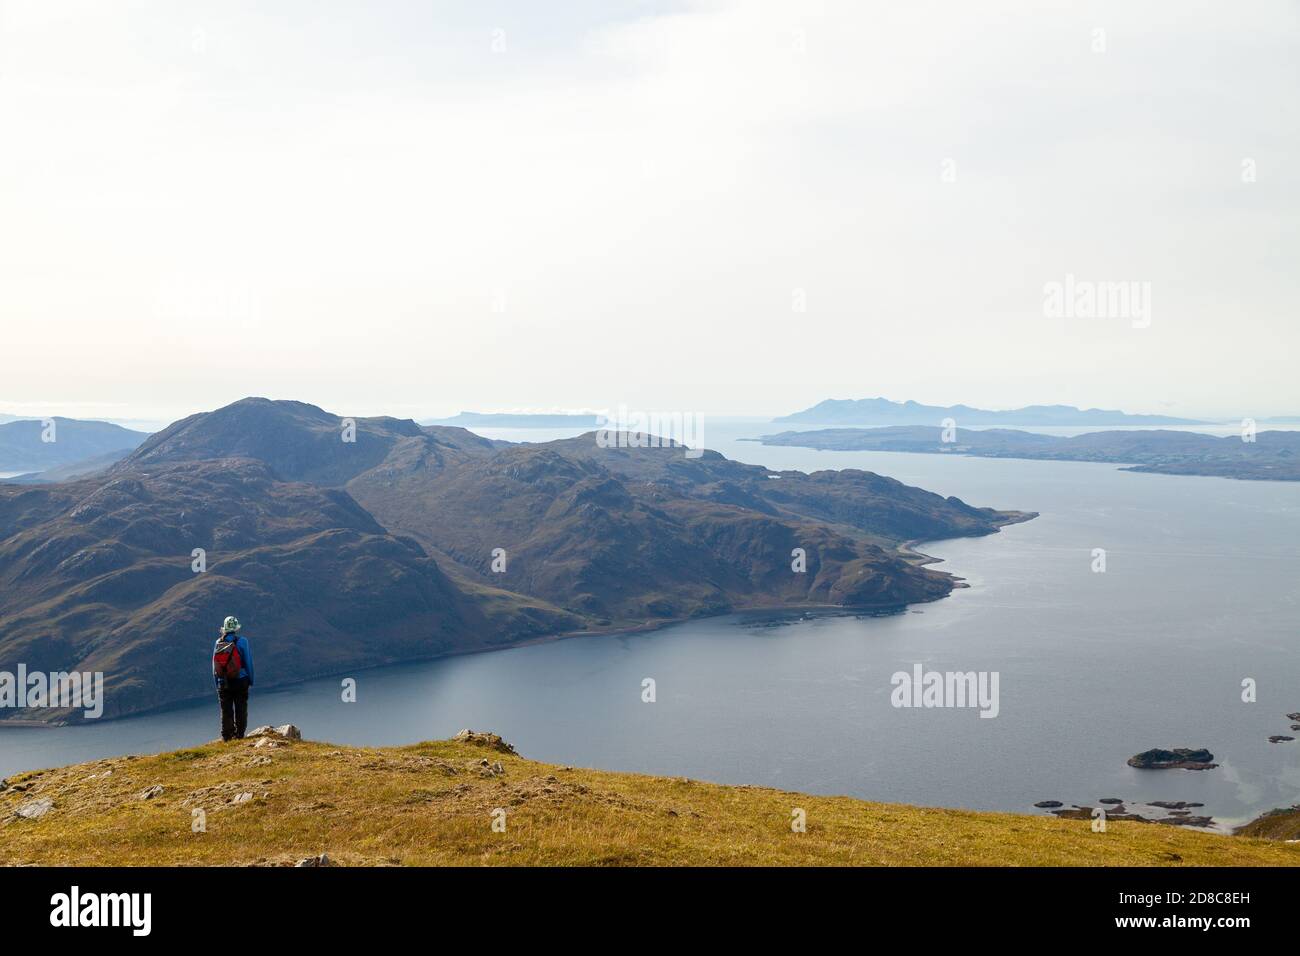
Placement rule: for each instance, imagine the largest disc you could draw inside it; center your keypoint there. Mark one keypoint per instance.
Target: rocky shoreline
(1282, 823)
(1178, 813)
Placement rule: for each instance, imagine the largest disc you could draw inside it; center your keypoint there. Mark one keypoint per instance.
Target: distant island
(881, 411)
(522, 420)
(1274, 455)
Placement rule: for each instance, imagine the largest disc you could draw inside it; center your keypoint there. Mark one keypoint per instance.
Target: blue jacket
(245, 658)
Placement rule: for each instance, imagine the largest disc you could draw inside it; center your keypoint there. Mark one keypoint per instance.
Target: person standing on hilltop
(232, 669)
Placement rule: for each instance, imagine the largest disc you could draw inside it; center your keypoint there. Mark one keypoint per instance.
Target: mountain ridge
(517, 420)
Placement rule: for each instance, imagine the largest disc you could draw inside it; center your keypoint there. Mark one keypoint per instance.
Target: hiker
(232, 669)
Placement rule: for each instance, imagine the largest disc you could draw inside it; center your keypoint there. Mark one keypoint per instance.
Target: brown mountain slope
(578, 536)
(98, 577)
(882, 507)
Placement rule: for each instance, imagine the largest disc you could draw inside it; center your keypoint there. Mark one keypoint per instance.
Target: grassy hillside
(1280, 824)
(269, 800)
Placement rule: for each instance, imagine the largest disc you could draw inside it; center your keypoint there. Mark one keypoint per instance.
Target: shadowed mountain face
(343, 553)
(98, 575)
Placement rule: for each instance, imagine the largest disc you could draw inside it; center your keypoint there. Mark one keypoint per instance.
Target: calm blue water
(1201, 590)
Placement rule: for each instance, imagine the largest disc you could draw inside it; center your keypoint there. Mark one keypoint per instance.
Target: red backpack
(226, 662)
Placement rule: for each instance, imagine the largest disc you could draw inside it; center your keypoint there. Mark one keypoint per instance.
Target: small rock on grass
(35, 809)
(148, 793)
(322, 860)
(287, 731)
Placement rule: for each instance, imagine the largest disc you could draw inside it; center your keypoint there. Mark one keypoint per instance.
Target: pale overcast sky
(730, 207)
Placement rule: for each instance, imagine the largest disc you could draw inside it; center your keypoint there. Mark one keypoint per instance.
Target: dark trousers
(234, 708)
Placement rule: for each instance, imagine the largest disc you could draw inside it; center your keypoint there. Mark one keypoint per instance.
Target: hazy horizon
(144, 422)
(733, 208)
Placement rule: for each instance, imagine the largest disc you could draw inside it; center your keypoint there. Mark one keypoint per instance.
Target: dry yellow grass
(1280, 824)
(432, 804)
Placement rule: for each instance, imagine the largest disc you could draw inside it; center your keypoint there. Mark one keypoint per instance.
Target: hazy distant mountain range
(881, 411)
(337, 554)
(1273, 455)
(28, 445)
(875, 411)
(511, 420)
